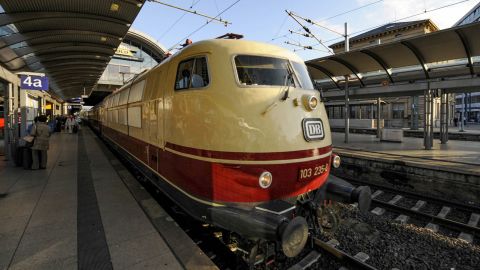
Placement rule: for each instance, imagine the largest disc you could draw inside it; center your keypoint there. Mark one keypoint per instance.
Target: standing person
(69, 124)
(58, 126)
(40, 146)
(30, 127)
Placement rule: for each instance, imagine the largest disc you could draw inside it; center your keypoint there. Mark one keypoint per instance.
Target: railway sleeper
(307, 261)
(444, 212)
(395, 199)
(432, 226)
(402, 219)
(376, 194)
(378, 211)
(466, 237)
(363, 257)
(474, 219)
(419, 205)
(333, 242)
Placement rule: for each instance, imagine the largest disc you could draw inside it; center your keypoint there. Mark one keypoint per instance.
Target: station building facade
(469, 102)
(136, 53)
(396, 112)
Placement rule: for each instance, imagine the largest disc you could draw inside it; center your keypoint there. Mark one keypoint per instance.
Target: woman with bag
(40, 146)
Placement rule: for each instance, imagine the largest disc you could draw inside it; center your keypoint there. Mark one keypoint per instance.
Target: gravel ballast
(393, 245)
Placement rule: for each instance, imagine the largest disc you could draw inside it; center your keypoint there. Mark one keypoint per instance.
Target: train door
(3, 90)
(153, 122)
(155, 96)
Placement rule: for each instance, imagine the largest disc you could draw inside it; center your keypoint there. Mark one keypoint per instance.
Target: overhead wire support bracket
(305, 47)
(299, 33)
(313, 23)
(306, 29)
(192, 12)
(299, 45)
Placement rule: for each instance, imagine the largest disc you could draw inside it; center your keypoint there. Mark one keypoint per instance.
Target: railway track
(439, 215)
(358, 261)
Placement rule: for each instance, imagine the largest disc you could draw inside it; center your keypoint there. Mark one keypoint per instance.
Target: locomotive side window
(136, 92)
(303, 75)
(123, 97)
(192, 73)
(261, 70)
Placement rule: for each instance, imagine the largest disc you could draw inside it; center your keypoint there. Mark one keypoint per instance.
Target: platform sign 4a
(31, 82)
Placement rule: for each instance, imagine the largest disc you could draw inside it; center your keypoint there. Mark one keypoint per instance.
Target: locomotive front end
(263, 142)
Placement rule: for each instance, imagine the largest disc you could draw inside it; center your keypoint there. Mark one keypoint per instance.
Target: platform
(455, 155)
(449, 170)
(85, 211)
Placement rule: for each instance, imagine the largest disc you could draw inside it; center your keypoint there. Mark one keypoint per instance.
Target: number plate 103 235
(310, 172)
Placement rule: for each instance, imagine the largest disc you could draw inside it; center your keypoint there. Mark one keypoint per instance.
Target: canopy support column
(428, 119)
(347, 110)
(462, 114)
(414, 123)
(443, 117)
(379, 117)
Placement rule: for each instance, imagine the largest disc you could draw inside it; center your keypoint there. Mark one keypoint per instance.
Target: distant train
(234, 132)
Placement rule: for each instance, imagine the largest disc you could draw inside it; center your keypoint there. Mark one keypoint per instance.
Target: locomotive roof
(235, 46)
(228, 47)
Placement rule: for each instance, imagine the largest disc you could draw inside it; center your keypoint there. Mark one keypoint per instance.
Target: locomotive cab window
(261, 70)
(192, 73)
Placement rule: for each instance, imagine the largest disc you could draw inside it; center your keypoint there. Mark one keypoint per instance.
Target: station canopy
(70, 41)
(437, 56)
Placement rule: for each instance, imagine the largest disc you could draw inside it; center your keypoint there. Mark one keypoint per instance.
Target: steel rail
(343, 256)
(448, 223)
(457, 205)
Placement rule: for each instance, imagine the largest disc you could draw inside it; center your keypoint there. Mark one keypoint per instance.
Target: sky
(267, 21)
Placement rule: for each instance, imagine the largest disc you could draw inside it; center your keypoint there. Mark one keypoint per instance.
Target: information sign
(31, 82)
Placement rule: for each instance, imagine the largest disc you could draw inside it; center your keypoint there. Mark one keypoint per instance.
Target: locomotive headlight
(310, 102)
(265, 179)
(336, 161)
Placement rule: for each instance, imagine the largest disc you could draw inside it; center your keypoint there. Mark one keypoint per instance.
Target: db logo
(313, 129)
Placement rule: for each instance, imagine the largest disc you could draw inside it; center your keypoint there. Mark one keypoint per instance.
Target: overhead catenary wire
(300, 33)
(331, 17)
(178, 20)
(314, 23)
(192, 12)
(306, 29)
(424, 11)
(351, 10)
(203, 25)
(396, 20)
(304, 47)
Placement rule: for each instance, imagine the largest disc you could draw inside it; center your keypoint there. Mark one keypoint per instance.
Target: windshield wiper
(288, 80)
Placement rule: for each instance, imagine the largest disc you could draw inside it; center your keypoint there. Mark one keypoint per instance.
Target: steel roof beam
(72, 73)
(467, 49)
(349, 66)
(60, 60)
(324, 71)
(71, 55)
(52, 48)
(62, 64)
(55, 70)
(80, 80)
(14, 18)
(379, 61)
(17, 38)
(418, 55)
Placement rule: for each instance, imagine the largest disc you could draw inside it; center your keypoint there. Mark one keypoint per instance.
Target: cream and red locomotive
(234, 132)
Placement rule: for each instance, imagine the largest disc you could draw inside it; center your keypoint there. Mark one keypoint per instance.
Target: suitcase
(27, 158)
(19, 156)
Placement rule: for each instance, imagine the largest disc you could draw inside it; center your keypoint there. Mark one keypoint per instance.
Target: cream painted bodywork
(223, 116)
